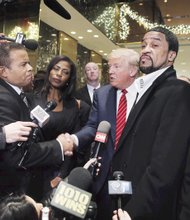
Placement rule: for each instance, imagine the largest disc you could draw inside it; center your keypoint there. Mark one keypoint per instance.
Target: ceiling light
(89, 31)
(73, 32)
(80, 37)
(65, 38)
(96, 36)
(101, 51)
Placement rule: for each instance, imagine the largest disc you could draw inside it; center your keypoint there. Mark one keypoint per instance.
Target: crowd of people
(148, 141)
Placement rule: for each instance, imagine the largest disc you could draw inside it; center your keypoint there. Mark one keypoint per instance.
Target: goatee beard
(149, 69)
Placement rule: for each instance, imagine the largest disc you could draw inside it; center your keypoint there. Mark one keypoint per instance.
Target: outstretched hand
(120, 215)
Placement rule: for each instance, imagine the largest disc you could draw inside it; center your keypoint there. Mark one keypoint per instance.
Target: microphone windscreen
(50, 105)
(102, 132)
(81, 178)
(104, 127)
(30, 44)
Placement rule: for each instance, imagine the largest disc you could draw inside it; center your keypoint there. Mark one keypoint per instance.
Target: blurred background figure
(92, 75)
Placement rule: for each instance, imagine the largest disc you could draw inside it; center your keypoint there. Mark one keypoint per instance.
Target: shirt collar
(144, 82)
(131, 90)
(16, 88)
(92, 88)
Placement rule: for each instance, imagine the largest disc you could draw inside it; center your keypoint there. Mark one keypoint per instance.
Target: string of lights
(107, 18)
(32, 31)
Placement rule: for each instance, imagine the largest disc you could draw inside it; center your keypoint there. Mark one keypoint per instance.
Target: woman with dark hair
(69, 115)
(19, 207)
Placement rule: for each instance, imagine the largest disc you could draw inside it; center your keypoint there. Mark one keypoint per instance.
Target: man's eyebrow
(153, 38)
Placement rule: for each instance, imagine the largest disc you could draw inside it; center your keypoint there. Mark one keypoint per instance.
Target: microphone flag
(71, 199)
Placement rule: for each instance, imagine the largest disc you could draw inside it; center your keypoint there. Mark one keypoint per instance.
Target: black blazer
(40, 155)
(83, 94)
(154, 152)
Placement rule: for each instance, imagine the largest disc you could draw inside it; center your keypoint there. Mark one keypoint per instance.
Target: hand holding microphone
(120, 215)
(40, 117)
(18, 131)
(20, 38)
(100, 140)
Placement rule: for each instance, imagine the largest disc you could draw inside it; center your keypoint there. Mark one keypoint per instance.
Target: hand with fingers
(18, 131)
(67, 143)
(120, 215)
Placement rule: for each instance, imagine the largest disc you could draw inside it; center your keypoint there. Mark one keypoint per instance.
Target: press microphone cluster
(20, 38)
(40, 117)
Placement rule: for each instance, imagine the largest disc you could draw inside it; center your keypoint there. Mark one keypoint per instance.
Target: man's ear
(3, 72)
(171, 56)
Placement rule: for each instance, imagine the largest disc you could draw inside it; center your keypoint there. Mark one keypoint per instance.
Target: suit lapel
(111, 106)
(142, 102)
(86, 94)
(11, 90)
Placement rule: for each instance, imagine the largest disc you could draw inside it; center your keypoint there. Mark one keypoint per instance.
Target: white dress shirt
(91, 91)
(144, 82)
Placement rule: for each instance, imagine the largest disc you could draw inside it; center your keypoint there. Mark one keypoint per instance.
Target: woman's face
(60, 74)
(38, 206)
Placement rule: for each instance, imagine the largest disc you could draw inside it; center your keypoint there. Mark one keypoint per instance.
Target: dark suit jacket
(2, 140)
(103, 108)
(13, 178)
(153, 151)
(83, 94)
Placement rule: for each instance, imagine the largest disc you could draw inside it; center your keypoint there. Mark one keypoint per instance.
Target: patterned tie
(24, 99)
(121, 117)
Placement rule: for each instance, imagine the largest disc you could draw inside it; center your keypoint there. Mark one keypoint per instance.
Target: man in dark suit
(92, 75)
(123, 69)
(15, 73)
(154, 150)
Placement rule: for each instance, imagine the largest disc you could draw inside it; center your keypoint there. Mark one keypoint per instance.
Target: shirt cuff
(75, 140)
(61, 146)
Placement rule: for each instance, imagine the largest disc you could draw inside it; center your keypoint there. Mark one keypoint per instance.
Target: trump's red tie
(121, 116)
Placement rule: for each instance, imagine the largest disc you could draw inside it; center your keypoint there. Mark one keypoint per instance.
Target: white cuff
(75, 140)
(61, 150)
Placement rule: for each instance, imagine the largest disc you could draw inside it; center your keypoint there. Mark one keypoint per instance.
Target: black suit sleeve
(2, 139)
(13, 109)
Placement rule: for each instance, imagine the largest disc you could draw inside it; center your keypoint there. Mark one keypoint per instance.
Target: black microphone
(100, 139)
(50, 106)
(73, 196)
(29, 44)
(119, 187)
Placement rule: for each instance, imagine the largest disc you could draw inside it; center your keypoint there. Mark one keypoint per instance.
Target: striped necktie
(24, 99)
(121, 116)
